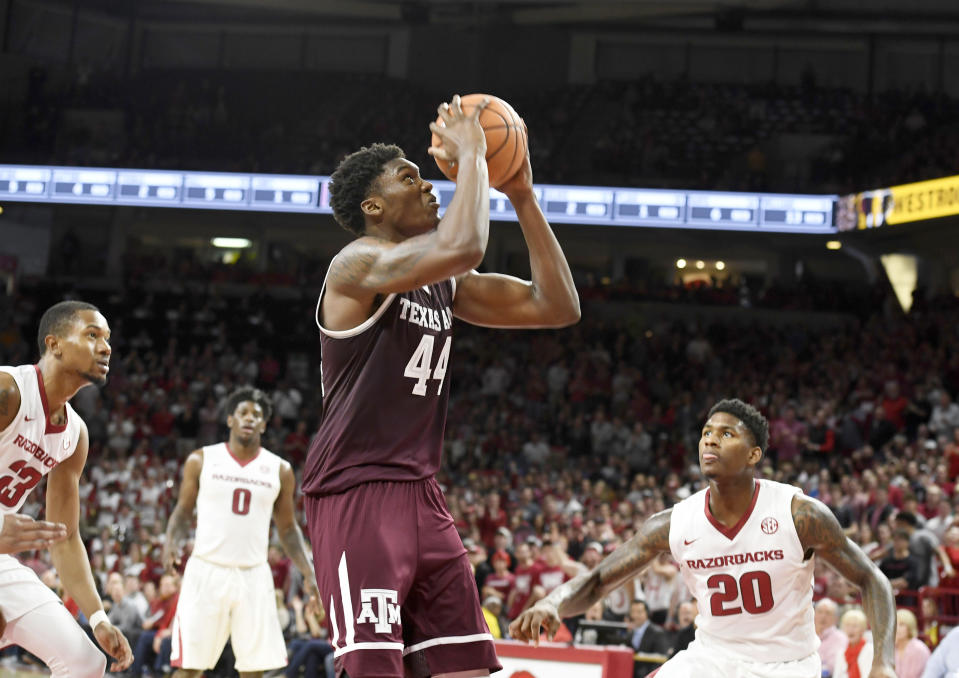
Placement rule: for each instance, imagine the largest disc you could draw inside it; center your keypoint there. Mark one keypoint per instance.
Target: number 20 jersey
(752, 586)
(385, 393)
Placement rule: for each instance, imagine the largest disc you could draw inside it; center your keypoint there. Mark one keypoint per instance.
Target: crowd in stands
(650, 132)
(559, 444)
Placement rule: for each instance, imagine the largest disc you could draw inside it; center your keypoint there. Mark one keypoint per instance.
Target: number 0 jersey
(751, 584)
(385, 392)
(234, 506)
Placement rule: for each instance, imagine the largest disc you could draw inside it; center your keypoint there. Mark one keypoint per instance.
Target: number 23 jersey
(751, 584)
(31, 447)
(385, 393)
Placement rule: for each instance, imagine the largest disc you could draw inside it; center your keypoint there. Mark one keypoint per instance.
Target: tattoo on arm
(360, 266)
(292, 541)
(350, 268)
(575, 596)
(178, 527)
(819, 531)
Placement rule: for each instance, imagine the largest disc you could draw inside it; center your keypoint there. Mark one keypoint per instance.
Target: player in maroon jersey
(389, 562)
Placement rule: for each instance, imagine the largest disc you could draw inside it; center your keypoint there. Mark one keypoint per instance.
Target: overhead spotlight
(720, 265)
(680, 263)
(833, 245)
(231, 243)
(700, 264)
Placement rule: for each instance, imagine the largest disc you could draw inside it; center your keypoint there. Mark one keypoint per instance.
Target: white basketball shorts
(700, 659)
(219, 602)
(20, 589)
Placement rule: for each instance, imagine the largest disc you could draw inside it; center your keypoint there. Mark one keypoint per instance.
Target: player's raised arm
(578, 594)
(819, 530)
(548, 300)
(178, 526)
(405, 245)
(70, 556)
(291, 538)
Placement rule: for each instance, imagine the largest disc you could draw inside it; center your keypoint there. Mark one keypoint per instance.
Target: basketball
(505, 139)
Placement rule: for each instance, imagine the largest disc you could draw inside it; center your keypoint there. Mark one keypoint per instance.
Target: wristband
(98, 618)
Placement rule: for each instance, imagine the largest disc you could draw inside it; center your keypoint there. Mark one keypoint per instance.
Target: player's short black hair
(350, 184)
(56, 320)
(253, 395)
(749, 415)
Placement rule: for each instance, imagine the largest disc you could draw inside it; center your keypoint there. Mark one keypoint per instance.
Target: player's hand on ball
(115, 644)
(23, 533)
(522, 181)
(526, 627)
(460, 133)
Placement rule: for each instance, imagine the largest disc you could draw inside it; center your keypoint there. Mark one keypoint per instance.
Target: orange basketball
(505, 139)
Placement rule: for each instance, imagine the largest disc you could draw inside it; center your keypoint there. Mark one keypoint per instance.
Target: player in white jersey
(745, 549)
(227, 591)
(40, 435)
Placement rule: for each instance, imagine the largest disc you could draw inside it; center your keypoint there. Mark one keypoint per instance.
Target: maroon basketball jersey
(385, 392)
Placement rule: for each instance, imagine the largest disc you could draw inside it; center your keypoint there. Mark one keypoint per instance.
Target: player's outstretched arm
(578, 594)
(548, 300)
(370, 266)
(819, 530)
(178, 526)
(291, 538)
(70, 556)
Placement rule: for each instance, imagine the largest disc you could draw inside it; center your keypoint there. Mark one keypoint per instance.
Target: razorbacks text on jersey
(30, 447)
(751, 582)
(234, 506)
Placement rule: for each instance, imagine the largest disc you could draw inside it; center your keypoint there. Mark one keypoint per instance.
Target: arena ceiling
(730, 15)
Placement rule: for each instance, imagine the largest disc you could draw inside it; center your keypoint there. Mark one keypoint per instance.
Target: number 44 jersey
(30, 447)
(385, 392)
(751, 583)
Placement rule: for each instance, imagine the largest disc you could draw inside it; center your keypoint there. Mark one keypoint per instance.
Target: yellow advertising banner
(900, 204)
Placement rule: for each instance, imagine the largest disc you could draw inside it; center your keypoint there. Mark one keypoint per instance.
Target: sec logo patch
(769, 525)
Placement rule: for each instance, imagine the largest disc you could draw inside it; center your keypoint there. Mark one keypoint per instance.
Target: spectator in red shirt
(527, 576)
(894, 404)
(499, 583)
(492, 517)
(296, 443)
(280, 567)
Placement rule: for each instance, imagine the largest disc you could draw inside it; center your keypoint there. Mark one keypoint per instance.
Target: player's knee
(88, 662)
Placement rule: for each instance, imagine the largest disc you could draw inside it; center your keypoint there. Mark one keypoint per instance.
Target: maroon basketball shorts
(399, 592)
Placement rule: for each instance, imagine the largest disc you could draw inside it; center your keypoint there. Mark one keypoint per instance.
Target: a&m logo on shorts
(387, 611)
(769, 525)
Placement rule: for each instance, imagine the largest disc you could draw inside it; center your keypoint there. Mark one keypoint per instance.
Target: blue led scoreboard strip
(587, 205)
